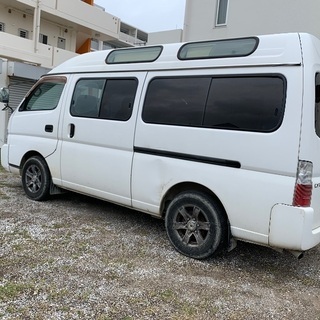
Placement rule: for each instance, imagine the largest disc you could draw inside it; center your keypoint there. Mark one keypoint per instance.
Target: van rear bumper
(292, 228)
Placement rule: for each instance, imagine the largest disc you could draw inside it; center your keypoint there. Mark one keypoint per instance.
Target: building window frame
(95, 45)
(2, 27)
(222, 12)
(43, 38)
(61, 43)
(23, 33)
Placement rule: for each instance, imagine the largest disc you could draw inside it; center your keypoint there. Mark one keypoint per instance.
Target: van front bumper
(5, 156)
(292, 228)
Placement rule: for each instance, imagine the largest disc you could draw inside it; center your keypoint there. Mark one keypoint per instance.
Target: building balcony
(81, 17)
(74, 15)
(131, 40)
(24, 50)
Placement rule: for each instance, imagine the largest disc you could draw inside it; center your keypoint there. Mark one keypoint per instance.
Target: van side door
(97, 135)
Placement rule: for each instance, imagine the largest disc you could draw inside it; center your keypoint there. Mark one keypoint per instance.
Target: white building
(169, 36)
(216, 19)
(36, 35)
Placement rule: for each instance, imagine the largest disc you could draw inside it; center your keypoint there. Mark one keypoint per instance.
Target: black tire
(195, 225)
(36, 179)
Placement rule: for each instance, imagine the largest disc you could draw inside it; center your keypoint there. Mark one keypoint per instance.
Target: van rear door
(314, 144)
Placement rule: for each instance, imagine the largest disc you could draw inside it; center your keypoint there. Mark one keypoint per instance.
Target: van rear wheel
(36, 179)
(195, 225)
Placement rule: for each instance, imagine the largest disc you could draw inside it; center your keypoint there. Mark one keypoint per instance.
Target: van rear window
(246, 103)
(317, 104)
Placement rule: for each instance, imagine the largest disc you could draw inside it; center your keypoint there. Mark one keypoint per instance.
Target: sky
(147, 15)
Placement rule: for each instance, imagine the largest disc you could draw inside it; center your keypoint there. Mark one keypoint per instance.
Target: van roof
(276, 49)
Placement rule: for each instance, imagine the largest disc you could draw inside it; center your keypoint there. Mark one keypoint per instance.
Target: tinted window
(245, 103)
(179, 101)
(134, 55)
(218, 49)
(87, 98)
(45, 96)
(118, 99)
(104, 98)
(317, 102)
(251, 103)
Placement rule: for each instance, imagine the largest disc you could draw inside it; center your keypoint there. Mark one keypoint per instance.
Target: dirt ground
(74, 257)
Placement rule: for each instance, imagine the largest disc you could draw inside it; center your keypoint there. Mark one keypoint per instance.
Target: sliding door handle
(72, 130)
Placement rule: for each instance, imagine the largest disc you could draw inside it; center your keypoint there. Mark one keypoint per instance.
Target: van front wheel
(195, 225)
(36, 179)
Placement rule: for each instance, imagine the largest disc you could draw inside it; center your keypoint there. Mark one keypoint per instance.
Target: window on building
(256, 103)
(107, 46)
(23, 33)
(1, 26)
(222, 11)
(43, 38)
(94, 44)
(61, 43)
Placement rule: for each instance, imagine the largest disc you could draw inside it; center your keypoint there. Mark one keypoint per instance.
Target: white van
(219, 138)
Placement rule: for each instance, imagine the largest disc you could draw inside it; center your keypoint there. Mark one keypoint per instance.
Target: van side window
(110, 99)
(317, 104)
(118, 98)
(245, 103)
(87, 98)
(176, 101)
(45, 96)
(249, 103)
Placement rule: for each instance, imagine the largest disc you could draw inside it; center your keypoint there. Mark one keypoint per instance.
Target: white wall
(15, 20)
(3, 114)
(171, 36)
(251, 17)
(53, 31)
(199, 19)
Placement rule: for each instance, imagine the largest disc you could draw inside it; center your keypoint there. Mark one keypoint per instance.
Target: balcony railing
(84, 15)
(132, 40)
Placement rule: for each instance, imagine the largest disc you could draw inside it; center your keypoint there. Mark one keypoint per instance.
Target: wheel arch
(28, 155)
(189, 186)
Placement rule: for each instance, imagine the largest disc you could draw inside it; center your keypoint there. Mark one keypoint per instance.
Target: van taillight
(303, 187)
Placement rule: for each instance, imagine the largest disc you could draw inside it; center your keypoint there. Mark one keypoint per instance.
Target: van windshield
(45, 95)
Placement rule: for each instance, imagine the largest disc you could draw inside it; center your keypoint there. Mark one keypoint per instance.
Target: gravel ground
(74, 257)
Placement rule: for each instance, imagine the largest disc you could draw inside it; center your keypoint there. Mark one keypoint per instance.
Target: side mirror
(4, 95)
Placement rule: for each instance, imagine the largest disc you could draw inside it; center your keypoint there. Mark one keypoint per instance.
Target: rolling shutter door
(18, 89)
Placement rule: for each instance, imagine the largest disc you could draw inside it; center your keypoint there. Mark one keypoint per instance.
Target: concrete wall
(171, 36)
(14, 19)
(3, 114)
(251, 17)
